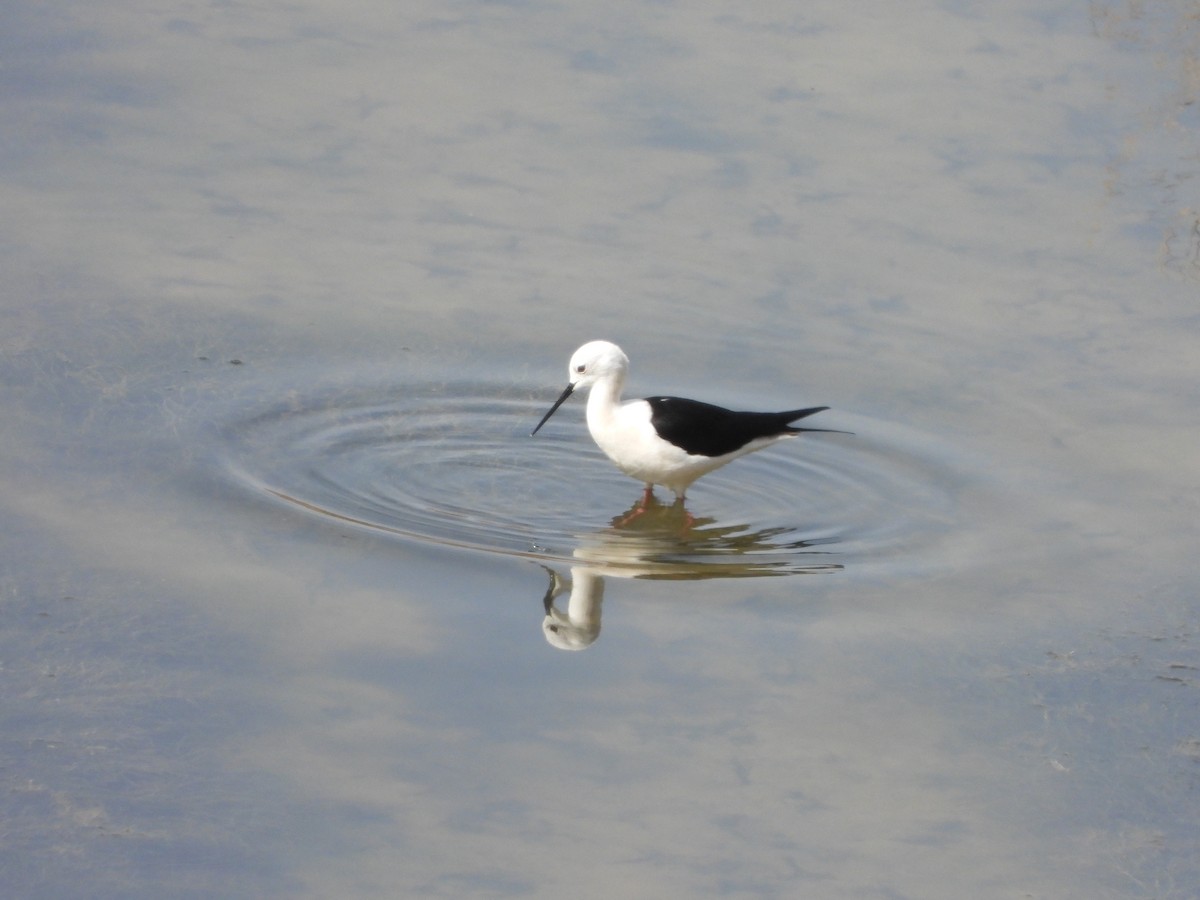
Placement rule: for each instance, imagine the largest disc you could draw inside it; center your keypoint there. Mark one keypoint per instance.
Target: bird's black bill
(557, 403)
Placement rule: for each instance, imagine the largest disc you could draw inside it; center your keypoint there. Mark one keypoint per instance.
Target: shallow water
(287, 580)
(452, 462)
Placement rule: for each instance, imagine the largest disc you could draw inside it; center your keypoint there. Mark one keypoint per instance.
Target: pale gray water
(284, 290)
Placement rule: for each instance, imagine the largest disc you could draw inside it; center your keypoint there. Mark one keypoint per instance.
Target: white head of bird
(670, 441)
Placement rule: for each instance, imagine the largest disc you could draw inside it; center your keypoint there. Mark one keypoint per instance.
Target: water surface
(288, 583)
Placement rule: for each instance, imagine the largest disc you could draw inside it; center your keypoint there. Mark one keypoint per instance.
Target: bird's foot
(688, 519)
(641, 509)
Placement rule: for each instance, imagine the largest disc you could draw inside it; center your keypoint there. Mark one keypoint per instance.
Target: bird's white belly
(640, 455)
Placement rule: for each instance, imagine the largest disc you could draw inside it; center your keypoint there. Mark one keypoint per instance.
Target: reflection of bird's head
(564, 634)
(579, 626)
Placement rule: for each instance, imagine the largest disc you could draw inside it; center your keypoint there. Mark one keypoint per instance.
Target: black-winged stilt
(666, 440)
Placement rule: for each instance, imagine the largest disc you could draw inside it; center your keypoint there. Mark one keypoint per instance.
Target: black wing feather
(703, 429)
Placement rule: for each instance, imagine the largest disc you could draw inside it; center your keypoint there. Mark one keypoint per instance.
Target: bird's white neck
(603, 401)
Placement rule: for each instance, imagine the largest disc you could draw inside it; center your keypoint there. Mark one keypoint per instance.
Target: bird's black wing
(703, 429)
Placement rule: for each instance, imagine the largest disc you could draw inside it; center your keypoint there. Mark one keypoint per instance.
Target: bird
(668, 441)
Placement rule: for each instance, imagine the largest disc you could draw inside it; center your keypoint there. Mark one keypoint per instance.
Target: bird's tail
(793, 415)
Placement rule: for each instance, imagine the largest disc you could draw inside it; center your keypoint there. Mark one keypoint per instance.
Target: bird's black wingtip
(795, 414)
(825, 430)
(804, 413)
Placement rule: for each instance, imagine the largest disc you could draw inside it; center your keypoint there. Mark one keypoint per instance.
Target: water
(453, 463)
(287, 583)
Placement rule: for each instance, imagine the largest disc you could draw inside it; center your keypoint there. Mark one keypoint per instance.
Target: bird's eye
(580, 369)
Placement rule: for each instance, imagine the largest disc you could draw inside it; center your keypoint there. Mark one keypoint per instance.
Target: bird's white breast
(626, 436)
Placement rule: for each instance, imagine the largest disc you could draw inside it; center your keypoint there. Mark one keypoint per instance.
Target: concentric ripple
(453, 464)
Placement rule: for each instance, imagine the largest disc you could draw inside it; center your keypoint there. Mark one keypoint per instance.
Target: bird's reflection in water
(579, 625)
(664, 541)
